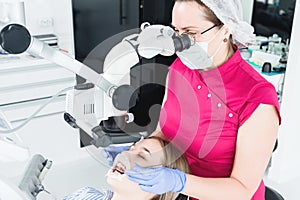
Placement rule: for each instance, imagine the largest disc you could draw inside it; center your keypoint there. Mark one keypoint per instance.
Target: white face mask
(196, 57)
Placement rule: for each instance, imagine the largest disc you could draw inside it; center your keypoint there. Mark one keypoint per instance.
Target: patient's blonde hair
(173, 159)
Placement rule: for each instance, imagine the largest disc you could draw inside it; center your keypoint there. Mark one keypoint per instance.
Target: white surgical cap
(230, 13)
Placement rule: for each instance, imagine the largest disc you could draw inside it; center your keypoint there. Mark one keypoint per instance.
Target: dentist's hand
(158, 180)
(111, 152)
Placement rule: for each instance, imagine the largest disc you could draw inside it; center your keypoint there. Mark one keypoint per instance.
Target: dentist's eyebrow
(185, 28)
(173, 27)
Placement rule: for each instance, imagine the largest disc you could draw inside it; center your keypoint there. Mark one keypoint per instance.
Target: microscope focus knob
(15, 38)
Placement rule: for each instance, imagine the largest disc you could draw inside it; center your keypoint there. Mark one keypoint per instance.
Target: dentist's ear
(226, 31)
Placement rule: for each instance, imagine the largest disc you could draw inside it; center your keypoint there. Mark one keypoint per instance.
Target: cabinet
(26, 83)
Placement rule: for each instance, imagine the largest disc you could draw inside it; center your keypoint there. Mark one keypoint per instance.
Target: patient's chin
(115, 175)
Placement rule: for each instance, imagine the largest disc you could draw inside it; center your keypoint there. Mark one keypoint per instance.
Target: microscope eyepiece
(181, 42)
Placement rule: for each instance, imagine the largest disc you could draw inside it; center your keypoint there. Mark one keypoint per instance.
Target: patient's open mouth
(119, 168)
(121, 164)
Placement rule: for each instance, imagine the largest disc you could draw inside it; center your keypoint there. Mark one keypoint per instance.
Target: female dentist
(217, 109)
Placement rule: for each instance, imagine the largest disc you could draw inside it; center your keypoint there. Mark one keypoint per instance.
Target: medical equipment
(99, 106)
(31, 183)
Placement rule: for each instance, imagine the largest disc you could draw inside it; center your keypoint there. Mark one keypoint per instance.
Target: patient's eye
(141, 156)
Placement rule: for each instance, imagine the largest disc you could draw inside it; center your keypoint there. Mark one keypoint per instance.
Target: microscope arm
(153, 40)
(16, 39)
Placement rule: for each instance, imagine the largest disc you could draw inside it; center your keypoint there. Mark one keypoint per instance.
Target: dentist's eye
(190, 33)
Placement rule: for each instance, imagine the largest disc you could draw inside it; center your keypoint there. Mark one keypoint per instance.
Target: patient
(149, 152)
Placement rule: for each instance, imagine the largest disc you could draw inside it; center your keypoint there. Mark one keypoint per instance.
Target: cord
(11, 130)
(40, 188)
(50, 194)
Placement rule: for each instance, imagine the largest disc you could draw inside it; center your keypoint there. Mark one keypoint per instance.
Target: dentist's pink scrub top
(203, 112)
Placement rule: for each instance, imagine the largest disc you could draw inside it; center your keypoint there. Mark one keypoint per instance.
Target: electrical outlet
(46, 22)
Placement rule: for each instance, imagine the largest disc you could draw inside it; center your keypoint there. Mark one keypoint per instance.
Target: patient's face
(146, 153)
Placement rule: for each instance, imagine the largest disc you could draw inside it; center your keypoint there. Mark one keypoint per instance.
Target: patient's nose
(122, 161)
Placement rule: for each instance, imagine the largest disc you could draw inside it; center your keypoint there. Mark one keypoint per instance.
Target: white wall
(286, 163)
(247, 9)
(51, 16)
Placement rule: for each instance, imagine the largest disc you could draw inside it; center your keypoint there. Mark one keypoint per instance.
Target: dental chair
(271, 194)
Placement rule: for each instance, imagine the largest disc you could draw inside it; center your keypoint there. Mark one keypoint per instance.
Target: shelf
(24, 78)
(19, 61)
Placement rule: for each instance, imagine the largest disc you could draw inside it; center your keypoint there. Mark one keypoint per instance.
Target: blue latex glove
(158, 180)
(111, 152)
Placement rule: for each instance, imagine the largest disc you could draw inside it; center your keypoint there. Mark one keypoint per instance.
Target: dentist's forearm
(216, 188)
